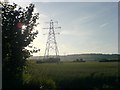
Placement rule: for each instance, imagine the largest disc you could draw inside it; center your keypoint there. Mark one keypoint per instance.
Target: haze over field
(87, 27)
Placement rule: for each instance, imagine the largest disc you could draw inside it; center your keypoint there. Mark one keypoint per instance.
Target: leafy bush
(14, 40)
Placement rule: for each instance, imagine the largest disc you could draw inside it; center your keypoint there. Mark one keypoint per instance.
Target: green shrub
(48, 84)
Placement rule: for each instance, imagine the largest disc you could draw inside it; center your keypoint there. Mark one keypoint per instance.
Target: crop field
(78, 75)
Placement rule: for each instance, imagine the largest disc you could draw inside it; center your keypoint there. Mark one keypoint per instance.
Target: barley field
(72, 75)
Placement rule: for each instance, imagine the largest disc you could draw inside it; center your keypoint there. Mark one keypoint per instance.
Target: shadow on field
(89, 83)
(94, 83)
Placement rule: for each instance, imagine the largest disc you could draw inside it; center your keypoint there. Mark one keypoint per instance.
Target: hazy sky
(87, 27)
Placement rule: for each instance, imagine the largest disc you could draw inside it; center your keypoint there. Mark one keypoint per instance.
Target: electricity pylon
(51, 50)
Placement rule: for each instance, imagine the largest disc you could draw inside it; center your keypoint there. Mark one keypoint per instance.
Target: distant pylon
(51, 50)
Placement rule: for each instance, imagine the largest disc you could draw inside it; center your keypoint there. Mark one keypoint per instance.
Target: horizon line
(82, 53)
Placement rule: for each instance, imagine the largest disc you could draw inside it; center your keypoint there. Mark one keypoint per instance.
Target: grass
(71, 75)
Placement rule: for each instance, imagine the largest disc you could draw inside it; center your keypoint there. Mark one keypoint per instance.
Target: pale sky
(87, 27)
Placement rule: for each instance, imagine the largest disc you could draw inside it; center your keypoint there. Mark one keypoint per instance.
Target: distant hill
(86, 57)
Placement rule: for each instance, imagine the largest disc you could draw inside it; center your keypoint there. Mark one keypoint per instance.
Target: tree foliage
(14, 40)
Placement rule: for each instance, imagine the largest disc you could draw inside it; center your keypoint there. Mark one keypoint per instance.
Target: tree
(14, 40)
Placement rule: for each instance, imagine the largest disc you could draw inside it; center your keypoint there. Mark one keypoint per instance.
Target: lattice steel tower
(51, 50)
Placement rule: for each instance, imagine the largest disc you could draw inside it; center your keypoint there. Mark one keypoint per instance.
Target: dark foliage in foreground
(14, 40)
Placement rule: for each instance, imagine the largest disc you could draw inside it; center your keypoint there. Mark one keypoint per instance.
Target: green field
(84, 75)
